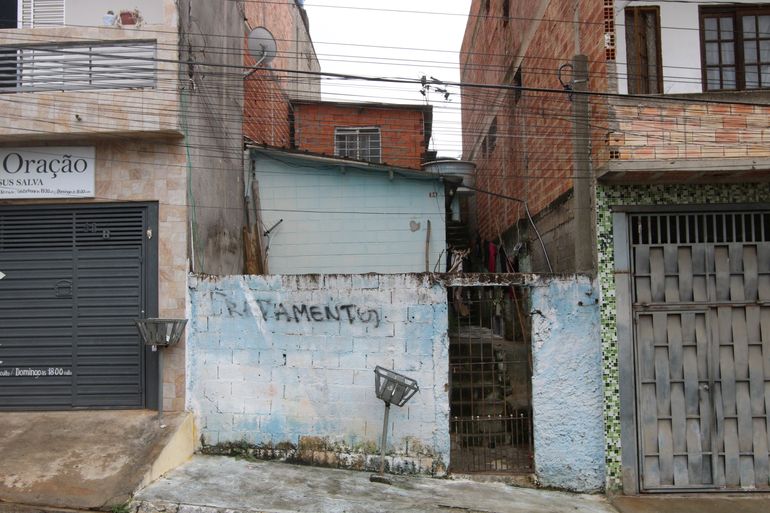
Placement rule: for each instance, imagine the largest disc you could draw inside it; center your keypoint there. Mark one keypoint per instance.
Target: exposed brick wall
(402, 129)
(266, 110)
(533, 157)
(268, 93)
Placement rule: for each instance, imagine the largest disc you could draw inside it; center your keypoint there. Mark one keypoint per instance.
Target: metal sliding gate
(702, 347)
(76, 277)
(490, 377)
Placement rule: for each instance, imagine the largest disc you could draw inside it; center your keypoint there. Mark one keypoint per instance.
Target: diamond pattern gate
(702, 348)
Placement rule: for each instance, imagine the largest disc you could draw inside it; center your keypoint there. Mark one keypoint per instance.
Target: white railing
(77, 66)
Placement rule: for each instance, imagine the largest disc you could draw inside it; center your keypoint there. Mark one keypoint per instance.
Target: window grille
(77, 66)
(358, 143)
(42, 13)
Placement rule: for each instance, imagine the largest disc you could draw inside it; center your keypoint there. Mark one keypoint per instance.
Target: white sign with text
(47, 172)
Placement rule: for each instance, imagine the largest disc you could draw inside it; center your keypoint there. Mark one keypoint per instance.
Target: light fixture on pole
(160, 333)
(397, 389)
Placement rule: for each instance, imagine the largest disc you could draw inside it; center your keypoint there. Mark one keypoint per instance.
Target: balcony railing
(77, 66)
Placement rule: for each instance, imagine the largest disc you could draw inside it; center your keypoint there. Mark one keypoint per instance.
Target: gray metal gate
(490, 381)
(75, 281)
(702, 343)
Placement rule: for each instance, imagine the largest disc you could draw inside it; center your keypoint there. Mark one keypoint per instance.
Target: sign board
(47, 172)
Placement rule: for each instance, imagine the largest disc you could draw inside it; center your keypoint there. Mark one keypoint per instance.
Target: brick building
(392, 134)
(657, 183)
(269, 91)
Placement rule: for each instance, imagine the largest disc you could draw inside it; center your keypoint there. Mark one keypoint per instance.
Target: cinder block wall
(282, 360)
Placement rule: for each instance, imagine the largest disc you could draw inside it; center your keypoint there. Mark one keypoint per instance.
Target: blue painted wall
(274, 359)
(567, 389)
(348, 221)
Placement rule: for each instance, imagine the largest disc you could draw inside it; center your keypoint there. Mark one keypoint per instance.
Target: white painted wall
(358, 221)
(680, 42)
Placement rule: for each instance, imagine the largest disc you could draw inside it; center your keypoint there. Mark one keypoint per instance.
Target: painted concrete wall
(269, 363)
(680, 43)
(283, 360)
(346, 220)
(211, 119)
(567, 391)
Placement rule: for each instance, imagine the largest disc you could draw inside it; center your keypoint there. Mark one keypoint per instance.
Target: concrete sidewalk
(87, 459)
(213, 484)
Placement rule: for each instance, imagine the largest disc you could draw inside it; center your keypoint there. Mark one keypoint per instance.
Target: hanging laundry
(491, 257)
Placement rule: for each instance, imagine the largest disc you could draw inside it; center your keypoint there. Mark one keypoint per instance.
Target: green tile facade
(606, 197)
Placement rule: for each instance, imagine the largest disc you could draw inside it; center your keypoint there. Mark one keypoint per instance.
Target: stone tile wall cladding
(607, 196)
(289, 360)
(667, 130)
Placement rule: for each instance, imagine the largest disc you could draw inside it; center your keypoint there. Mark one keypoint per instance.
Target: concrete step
(85, 460)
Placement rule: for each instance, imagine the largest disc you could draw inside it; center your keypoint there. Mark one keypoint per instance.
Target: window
(643, 50)
(735, 48)
(358, 143)
(9, 15)
(42, 13)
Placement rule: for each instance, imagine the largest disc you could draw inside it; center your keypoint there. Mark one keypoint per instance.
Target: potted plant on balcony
(129, 17)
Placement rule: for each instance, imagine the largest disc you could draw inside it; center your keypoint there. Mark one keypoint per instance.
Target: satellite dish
(262, 46)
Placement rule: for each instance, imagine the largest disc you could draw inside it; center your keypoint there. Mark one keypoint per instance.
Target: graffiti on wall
(303, 312)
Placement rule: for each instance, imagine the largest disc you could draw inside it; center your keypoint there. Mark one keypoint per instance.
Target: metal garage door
(702, 336)
(75, 280)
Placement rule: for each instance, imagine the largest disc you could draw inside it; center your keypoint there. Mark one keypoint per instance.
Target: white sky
(361, 33)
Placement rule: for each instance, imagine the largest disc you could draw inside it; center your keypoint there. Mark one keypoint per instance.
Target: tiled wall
(44, 115)
(680, 130)
(607, 196)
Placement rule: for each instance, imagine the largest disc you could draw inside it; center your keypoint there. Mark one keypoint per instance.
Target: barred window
(361, 143)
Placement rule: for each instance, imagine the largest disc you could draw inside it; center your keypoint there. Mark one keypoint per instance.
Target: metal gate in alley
(490, 375)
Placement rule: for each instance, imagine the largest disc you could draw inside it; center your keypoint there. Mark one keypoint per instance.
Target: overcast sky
(372, 41)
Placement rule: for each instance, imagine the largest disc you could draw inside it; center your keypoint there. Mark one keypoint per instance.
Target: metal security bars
(490, 376)
(358, 143)
(78, 66)
(701, 228)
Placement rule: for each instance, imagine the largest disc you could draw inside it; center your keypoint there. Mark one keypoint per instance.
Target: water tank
(453, 167)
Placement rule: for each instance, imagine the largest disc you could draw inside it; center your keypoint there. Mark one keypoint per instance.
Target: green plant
(121, 508)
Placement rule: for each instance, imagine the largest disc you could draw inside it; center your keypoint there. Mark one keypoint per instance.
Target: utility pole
(583, 181)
